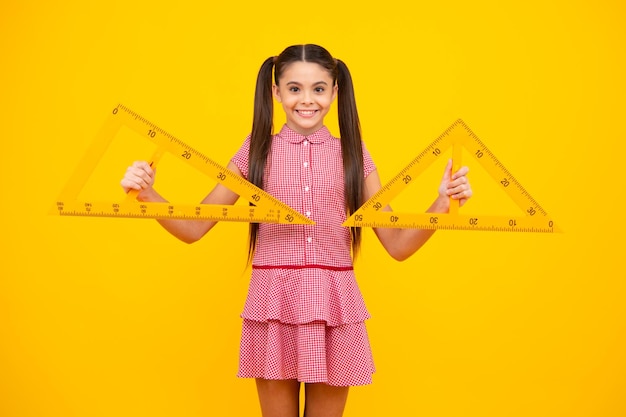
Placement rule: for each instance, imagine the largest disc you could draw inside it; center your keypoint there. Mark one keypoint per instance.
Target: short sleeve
(368, 162)
(241, 158)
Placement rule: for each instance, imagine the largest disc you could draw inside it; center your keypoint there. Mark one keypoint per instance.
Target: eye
(294, 89)
(320, 89)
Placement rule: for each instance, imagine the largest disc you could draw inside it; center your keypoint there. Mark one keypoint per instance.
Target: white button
(306, 164)
(309, 239)
(306, 188)
(306, 142)
(308, 214)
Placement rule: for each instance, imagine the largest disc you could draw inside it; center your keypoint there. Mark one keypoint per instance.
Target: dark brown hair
(349, 126)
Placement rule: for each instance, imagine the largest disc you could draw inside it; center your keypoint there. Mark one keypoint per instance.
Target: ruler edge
(514, 179)
(372, 217)
(184, 207)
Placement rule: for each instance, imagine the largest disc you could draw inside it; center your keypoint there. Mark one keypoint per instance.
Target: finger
(142, 171)
(144, 180)
(457, 194)
(460, 173)
(459, 182)
(128, 185)
(468, 195)
(142, 166)
(460, 193)
(138, 178)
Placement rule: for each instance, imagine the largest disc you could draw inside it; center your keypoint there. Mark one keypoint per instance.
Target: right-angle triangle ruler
(264, 209)
(532, 218)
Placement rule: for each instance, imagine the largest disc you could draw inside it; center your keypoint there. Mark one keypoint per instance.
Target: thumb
(447, 173)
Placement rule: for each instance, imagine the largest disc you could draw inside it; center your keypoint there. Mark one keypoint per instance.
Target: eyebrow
(297, 83)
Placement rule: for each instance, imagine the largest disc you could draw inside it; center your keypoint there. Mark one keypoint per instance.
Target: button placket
(307, 199)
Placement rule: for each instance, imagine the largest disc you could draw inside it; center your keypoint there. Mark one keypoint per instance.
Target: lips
(306, 113)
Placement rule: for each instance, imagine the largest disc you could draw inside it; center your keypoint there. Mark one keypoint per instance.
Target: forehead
(304, 73)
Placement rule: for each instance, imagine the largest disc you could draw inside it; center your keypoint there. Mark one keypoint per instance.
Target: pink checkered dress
(304, 317)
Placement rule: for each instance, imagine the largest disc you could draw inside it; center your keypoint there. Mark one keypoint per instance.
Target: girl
(304, 317)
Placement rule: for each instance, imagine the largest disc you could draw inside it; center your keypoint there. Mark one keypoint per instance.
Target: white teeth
(306, 112)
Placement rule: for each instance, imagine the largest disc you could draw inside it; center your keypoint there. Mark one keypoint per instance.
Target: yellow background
(114, 317)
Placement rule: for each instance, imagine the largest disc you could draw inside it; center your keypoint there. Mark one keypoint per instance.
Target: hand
(139, 176)
(455, 185)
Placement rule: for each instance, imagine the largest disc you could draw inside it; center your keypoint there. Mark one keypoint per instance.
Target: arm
(140, 177)
(402, 243)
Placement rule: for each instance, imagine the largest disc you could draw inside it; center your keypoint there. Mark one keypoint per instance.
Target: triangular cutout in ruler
(264, 208)
(457, 136)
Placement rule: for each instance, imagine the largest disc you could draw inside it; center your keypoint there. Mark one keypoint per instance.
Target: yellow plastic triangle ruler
(263, 209)
(532, 217)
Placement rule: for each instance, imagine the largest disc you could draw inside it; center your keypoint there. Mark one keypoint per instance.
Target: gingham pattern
(304, 295)
(310, 353)
(302, 275)
(307, 174)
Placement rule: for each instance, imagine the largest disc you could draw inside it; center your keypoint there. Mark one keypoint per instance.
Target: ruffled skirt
(306, 324)
(310, 353)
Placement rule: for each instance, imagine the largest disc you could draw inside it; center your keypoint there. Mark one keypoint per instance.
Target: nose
(307, 97)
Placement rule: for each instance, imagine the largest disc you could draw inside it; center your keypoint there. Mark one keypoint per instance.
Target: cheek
(327, 103)
(287, 102)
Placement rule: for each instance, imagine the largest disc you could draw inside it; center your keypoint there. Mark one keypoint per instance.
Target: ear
(276, 93)
(335, 90)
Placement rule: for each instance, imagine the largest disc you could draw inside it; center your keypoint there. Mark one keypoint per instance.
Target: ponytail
(351, 148)
(261, 137)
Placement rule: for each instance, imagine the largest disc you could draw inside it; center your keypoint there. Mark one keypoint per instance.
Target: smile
(306, 113)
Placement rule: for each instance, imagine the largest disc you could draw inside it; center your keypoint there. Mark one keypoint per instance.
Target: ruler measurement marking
(395, 186)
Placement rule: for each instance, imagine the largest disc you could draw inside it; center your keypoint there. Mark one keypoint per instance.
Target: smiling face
(306, 92)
